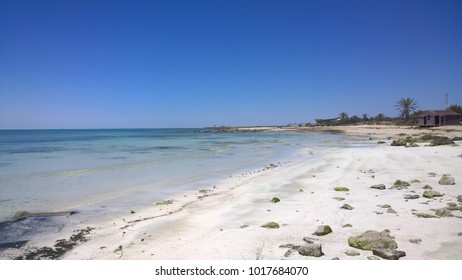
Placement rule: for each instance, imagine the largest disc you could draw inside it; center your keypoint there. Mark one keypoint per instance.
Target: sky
(173, 63)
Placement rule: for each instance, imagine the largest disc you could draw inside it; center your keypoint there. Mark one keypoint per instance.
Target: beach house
(439, 118)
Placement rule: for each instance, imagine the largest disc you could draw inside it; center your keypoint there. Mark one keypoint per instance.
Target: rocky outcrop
(19, 215)
(407, 142)
(412, 142)
(373, 239)
(441, 140)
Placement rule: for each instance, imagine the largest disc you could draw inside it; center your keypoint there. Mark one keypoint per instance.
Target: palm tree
(406, 107)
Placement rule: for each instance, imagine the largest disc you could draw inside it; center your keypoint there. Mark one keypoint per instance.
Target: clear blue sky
(171, 63)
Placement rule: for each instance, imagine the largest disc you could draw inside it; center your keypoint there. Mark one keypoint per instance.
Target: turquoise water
(61, 170)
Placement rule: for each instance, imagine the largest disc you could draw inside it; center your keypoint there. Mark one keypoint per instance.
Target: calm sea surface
(62, 170)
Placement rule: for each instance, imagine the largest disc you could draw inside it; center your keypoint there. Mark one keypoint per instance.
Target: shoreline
(224, 221)
(377, 132)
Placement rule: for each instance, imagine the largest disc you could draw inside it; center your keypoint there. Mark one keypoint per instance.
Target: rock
(459, 234)
(323, 230)
(378, 187)
(411, 196)
(424, 215)
(310, 240)
(398, 142)
(311, 250)
(441, 140)
(388, 254)
(431, 194)
(391, 211)
(289, 246)
(447, 180)
(292, 248)
(373, 258)
(336, 259)
(427, 187)
(457, 138)
(415, 241)
(339, 198)
(415, 181)
(271, 225)
(275, 200)
(459, 198)
(373, 239)
(352, 253)
(399, 185)
(384, 206)
(341, 189)
(407, 142)
(347, 225)
(21, 215)
(444, 212)
(454, 207)
(432, 174)
(347, 207)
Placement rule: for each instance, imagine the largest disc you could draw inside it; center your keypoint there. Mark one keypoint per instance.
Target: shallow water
(60, 170)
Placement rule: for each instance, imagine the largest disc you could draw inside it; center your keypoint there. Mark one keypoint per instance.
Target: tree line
(408, 114)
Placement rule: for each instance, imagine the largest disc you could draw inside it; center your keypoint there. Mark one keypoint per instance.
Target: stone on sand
(431, 194)
(388, 254)
(323, 230)
(447, 180)
(373, 239)
(378, 187)
(311, 250)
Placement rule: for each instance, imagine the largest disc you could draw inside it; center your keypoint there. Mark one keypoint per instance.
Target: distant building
(439, 118)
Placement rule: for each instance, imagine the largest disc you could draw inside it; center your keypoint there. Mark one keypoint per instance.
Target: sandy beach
(224, 220)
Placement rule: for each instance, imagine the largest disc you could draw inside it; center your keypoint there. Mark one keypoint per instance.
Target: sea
(90, 171)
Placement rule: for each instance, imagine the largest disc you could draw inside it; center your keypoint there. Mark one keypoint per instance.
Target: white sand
(226, 224)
